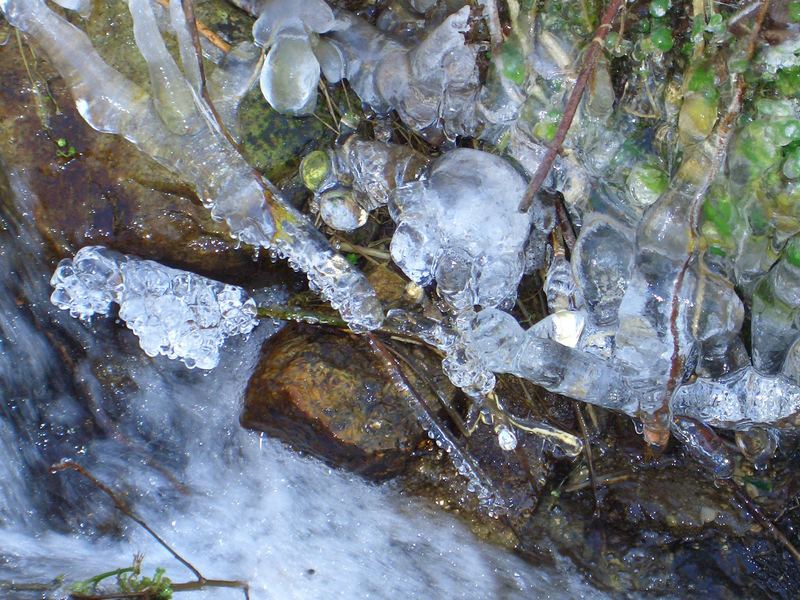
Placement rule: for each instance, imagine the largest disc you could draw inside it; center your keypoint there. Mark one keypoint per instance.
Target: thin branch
(363, 250)
(587, 449)
(656, 430)
(124, 508)
(589, 62)
(492, 16)
(765, 521)
(205, 31)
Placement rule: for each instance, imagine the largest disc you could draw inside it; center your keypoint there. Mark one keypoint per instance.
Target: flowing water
(236, 504)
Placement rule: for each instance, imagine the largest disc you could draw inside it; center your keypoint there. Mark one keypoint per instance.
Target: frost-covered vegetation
(640, 165)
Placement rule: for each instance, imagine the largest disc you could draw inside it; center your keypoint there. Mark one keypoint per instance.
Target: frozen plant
(432, 86)
(357, 177)
(173, 313)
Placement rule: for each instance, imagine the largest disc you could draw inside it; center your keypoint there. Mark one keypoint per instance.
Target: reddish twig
(587, 68)
(656, 431)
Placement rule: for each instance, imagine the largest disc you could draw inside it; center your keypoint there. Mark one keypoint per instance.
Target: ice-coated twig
(174, 313)
(479, 482)
(737, 400)
(689, 202)
(589, 62)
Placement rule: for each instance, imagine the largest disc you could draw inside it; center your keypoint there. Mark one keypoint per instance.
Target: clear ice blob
(460, 225)
(602, 264)
(173, 313)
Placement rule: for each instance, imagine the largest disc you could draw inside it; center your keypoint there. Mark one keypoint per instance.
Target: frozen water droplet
(506, 438)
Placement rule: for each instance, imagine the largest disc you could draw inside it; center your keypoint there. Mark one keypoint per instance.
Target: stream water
(236, 504)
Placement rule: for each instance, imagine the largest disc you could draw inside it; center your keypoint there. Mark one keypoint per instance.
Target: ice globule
(602, 263)
(89, 283)
(191, 145)
(291, 72)
(432, 86)
(173, 313)
(775, 310)
(459, 225)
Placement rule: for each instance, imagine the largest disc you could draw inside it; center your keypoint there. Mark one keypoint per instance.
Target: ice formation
(173, 313)
(176, 127)
(290, 75)
(432, 86)
(459, 225)
(740, 399)
(356, 177)
(646, 317)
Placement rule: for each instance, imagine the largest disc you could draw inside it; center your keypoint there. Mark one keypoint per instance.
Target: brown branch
(587, 68)
(206, 32)
(587, 450)
(751, 507)
(124, 508)
(656, 425)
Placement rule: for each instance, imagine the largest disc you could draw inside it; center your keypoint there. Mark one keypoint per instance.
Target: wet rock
(658, 526)
(320, 391)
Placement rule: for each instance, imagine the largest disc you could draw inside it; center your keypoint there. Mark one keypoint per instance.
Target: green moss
(791, 165)
(275, 143)
(758, 221)
(721, 214)
(787, 81)
(661, 37)
(756, 145)
(792, 252)
(513, 63)
(703, 81)
(794, 11)
(314, 169)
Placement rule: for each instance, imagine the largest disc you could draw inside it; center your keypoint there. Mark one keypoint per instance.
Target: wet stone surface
(320, 391)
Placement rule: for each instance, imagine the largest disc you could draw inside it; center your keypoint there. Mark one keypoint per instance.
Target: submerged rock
(321, 392)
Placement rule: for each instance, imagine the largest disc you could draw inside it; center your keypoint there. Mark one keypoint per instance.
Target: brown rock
(321, 391)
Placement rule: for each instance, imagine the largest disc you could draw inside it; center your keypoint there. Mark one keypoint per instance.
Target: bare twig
(205, 31)
(587, 68)
(363, 250)
(656, 428)
(122, 506)
(763, 519)
(587, 450)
